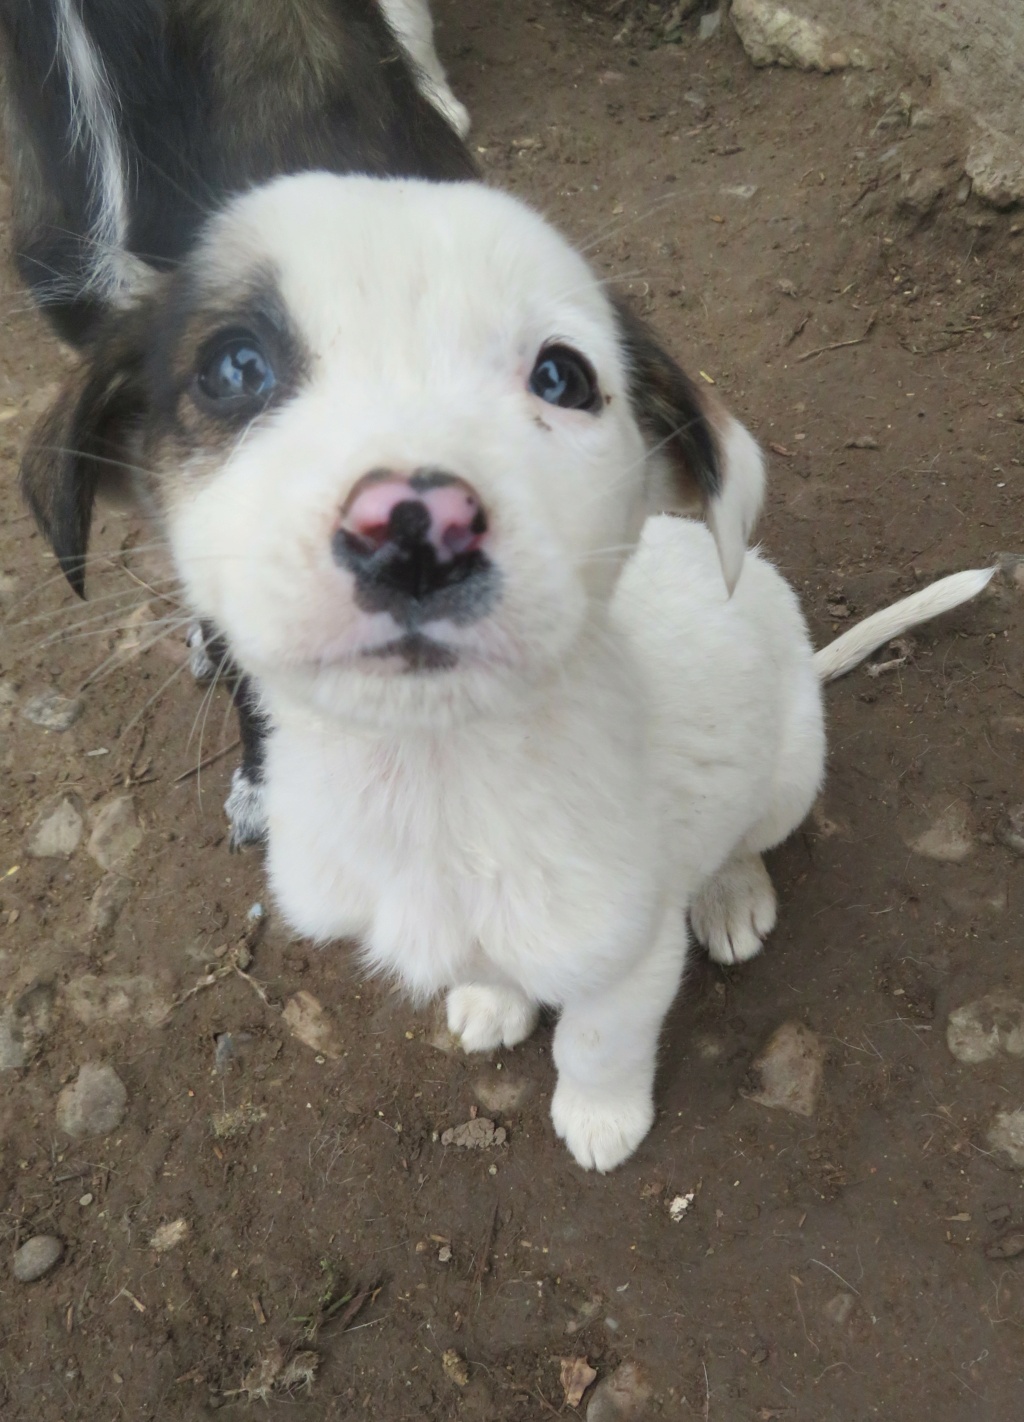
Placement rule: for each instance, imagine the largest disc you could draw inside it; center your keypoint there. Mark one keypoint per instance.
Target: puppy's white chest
(447, 856)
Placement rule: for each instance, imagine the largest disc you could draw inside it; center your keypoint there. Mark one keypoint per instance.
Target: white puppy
(403, 446)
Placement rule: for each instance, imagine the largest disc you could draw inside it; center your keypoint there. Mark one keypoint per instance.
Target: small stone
(921, 192)
(52, 711)
(479, 1134)
(116, 834)
(501, 1093)
(57, 832)
(106, 904)
(995, 166)
(444, 1254)
(790, 1070)
(24, 1025)
(306, 1019)
(455, 1367)
(980, 1030)
(949, 839)
(1009, 1247)
(771, 34)
(709, 25)
(1010, 831)
(85, 1200)
(622, 1397)
(839, 1308)
(1006, 1133)
(36, 1257)
(168, 1236)
(94, 1104)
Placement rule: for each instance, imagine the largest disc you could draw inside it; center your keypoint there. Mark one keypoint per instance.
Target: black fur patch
(670, 409)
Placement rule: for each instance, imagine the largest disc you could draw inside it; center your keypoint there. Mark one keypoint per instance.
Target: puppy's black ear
(84, 442)
(706, 458)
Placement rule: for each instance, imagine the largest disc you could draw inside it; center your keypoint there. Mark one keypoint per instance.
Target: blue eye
(563, 377)
(237, 371)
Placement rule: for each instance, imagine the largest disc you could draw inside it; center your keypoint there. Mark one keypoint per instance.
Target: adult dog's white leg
(414, 28)
(606, 1048)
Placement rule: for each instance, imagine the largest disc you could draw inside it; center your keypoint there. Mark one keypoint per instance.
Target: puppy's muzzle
(417, 547)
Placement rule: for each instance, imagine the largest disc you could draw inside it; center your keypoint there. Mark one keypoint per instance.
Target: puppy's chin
(408, 685)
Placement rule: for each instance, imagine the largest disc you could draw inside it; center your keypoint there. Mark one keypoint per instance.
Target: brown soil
(831, 1267)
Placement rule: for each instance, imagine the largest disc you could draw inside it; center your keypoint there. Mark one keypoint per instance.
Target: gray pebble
(52, 711)
(622, 1397)
(116, 833)
(94, 1104)
(36, 1257)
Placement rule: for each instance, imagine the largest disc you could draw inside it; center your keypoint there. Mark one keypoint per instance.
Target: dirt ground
(803, 244)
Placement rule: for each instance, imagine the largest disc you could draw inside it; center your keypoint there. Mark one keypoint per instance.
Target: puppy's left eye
(561, 376)
(236, 371)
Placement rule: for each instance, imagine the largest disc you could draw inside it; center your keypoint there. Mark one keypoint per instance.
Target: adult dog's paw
(484, 1017)
(601, 1129)
(734, 911)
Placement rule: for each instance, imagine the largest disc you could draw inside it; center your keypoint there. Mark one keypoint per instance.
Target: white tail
(859, 642)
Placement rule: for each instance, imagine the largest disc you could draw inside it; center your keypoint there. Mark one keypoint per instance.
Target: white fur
(114, 273)
(414, 28)
(620, 739)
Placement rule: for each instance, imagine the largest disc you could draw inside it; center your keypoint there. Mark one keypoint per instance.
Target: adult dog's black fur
(129, 121)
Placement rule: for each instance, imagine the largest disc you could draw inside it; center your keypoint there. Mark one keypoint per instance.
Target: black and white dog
(130, 122)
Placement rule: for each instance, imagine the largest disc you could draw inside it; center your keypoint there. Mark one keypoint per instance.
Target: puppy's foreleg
(485, 1016)
(605, 1049)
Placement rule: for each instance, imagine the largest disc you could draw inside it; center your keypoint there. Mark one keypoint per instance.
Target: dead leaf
(576, 1376)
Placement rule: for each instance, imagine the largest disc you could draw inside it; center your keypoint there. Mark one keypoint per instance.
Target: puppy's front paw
(245, 810)
(734, 911)
(485, 1017)
(601, 1129)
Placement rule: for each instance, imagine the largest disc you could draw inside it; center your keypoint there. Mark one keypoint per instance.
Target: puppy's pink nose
(428, 508)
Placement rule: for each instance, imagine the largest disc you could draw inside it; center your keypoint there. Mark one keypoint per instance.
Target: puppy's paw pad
(485, 1017)
(246, 811)
(734, 911)
(601, 1130)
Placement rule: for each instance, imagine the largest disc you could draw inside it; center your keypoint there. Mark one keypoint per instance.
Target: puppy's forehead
(370, 261)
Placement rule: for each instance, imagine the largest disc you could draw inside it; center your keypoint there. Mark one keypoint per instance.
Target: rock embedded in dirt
(949, 839)
(36, 1257)
(622, 1397)
(306, 1019)
(57, 832)
(1009, 1247)
(980, 1030)
(772, 34)
(94, 999)
(24, 1025)
(479, 1134)
(839, 1308)
(790, 1070)
(112, 893)
(501, 1092)
(995, 166)
(1006, 1134)
(116, 833)
(1010, 830)
(94, 1104)
(52, 711)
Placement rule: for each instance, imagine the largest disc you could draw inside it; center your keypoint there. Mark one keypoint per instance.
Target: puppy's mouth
(417, 653)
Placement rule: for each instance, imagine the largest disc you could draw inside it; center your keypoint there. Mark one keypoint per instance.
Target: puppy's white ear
(701, 457)
(732, 512)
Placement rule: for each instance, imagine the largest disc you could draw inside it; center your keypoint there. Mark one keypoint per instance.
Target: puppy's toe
(601, 1129)
(245, 810)
(200, 663)
(484, 1017)
(734, 911)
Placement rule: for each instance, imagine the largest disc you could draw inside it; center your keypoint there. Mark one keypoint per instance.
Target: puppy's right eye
(236, 372)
